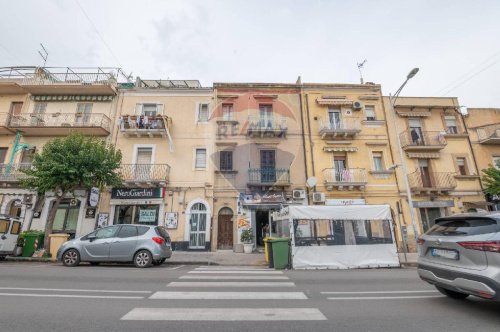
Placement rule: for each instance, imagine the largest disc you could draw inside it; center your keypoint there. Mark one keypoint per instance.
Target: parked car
(142, 245)
(10, 228)
(460, 255)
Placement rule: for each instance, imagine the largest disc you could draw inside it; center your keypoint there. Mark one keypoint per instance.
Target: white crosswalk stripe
(230, 284)
(228, 296)
(234, 277)
(235, 272)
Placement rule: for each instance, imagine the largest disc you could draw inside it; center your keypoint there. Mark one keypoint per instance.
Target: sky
(455, 44)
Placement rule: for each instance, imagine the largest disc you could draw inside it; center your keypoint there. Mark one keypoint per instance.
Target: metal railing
(346, 175)
(78, 120)
(256, 123)
(269, 175)
(345, 124)
(63, 75)
(139, 122)
(455, 131)
(416, 137)
(488, 132)
(4, 119)
(431, 180)
(144, 172)
(13, 172)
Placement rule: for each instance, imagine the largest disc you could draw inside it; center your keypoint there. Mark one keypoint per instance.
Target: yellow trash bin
(56, 241)
(266, 248)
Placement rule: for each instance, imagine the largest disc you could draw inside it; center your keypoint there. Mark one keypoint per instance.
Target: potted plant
(246, 238)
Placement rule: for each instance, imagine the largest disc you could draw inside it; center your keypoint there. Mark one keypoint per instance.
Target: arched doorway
(198, 226)
(225, 229)
(15, 209)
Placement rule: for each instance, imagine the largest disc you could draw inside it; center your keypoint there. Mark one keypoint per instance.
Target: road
(48, 297)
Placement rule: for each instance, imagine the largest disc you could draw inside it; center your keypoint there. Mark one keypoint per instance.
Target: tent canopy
(348, 212)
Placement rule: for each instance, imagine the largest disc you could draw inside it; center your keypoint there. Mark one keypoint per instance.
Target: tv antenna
(44, 54)
(360, 66)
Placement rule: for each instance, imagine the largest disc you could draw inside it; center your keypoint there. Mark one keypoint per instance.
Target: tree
(70, 163)
(491, 179)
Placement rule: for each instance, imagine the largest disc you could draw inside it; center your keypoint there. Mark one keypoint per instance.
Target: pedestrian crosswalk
(240, 285)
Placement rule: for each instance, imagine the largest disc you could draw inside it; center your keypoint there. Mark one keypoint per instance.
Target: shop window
(370, 113)
(136, 214)
(66, 218)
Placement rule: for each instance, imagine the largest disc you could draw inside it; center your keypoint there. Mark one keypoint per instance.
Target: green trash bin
(280, 248)
(32, 242)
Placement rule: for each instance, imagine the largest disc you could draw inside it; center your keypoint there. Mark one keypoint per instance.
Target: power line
(97, 32)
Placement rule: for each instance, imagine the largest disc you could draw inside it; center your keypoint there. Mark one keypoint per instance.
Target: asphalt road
(47, 297)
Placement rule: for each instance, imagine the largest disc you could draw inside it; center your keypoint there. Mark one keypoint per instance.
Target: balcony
(4, 129)
(61, 124)
(12, 173)
(148, 175)
(418, 140)
(347, 178)
(489, 134)
(269, 177)
(267, 127)
(140, 126)
(431, 182)
(63, 80)
(345, 128)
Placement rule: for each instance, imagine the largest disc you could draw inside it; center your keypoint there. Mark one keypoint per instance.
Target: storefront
(143, 206)
(429, 211)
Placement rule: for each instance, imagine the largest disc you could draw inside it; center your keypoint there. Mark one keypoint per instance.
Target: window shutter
(159, 109)
(138, 109)
(201, 158)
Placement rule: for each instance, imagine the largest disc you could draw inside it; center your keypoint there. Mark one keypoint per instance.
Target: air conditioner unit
(318, 197)
(357, 106)
(299, 194)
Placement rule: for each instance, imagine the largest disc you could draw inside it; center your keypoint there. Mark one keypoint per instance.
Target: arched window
(15, 208)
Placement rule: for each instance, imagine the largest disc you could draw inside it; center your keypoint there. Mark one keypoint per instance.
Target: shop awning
(350, 212)
(413, 114)
(424, 155)
(338, 102)
(340, 149)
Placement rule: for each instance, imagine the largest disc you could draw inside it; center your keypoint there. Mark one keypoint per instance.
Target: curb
(29, 259)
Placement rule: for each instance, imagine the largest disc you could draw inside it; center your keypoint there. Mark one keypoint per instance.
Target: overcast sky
(456, 44)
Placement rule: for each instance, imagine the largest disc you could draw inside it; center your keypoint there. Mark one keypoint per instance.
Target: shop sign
(90, 213)
(171, 220)
(336, 202)
(262, 198)
(102, 220)
(147, 215)
(93, 197)
(432, 204)
(137, 193)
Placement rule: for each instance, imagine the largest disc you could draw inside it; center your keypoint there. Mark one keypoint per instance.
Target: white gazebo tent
(339, 237)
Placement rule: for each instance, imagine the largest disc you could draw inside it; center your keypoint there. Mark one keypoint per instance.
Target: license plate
(449, 254)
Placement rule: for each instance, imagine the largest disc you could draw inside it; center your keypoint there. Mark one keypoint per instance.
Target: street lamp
(392, 102)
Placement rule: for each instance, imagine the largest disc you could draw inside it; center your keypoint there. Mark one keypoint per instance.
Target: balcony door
(425, 174)
(340, 168)
(266, 116)
(335, 118)
(267, 166)
(416, 134)
(143, 163)
(83, 111)
(38, 112)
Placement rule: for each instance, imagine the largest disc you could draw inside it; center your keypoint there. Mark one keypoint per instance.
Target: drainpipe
(310, 135)
(303, 140)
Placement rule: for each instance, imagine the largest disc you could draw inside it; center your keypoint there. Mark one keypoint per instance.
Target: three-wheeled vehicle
(10, 228)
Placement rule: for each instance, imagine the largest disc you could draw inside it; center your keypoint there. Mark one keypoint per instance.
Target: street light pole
(392, 102)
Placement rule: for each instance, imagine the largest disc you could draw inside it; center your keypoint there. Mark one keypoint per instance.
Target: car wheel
(71, 257)
(94, 263)
(159, 261)
(143, 258)
(452, 294)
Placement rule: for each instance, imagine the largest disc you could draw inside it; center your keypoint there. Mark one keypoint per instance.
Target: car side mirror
(91, 238)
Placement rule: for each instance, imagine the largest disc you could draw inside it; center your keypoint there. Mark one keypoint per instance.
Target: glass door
(266, 116)
(267, 166)
(143, 163)
(197, 226)
(425, 174)
(340, 168)
(334, 118)
(416, 134)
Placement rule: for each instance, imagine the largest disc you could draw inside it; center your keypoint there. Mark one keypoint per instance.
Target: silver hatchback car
(460, 255)
(143, 245)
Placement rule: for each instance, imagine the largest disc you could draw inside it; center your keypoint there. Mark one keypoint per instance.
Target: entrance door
(425, 174)
(416, 135)
(261, 225)
(340, 166)
(334, 117)
(198, 226)
(428, 216)
(225, 229)
(143, 163)
(268, 166)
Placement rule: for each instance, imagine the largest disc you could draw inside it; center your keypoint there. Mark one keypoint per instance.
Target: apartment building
(442, 174)
(258, 157)
(348, 149)
(36, 105)
(483, 126)
(164, 132)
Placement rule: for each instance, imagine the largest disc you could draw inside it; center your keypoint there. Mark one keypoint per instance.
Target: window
(27, 156)
(370, 113)
(378, 161)
(266, 116)
(16, 228)
(84, 108)
(127, 231)
(201, 158)
(66, 217)
(40, 108)
(496, 162)
(149, 109)
(227, 112)
(137, 214)
(461, 165)
(226, 160)
(3, 153)
(105, 233)
(16, 107)
(451, 124)
(203, 113)
(4, 226)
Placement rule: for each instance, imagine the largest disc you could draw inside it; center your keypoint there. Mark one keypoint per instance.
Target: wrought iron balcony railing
(51, 120)
(431, 181)
(489, 134)
(145, 172)
(12, 173)
(274, 126)
(344, 127)
(416, 139)
(269, 176)
(345, 176)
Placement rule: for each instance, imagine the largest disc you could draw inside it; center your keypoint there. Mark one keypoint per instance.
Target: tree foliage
(491, 179)
(70, 163)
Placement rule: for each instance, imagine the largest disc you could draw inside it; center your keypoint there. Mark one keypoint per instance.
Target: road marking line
(230, 284)
(235, 277)
(74, 290)
(73, 296)
(225, 314)
(174, 268)
(237, 272)
(385, 292)
(385, 297)
(228, 296)
(234, 268)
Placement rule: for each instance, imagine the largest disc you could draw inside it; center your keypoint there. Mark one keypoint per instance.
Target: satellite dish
(311, 182)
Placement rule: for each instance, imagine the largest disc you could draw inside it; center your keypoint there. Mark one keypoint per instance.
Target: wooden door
(225, 229)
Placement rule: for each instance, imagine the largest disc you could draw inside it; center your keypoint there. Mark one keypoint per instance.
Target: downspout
(310, 135)
(303, 139)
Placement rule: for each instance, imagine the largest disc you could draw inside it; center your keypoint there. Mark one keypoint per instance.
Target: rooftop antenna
(360, 66)
(44, 54)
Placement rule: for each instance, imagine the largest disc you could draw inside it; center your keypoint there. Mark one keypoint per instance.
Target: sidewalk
(411, 259)
(216, 258)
